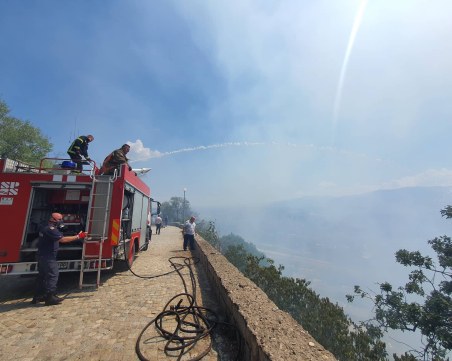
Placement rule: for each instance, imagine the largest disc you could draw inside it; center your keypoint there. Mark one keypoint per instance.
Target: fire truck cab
(113, 209)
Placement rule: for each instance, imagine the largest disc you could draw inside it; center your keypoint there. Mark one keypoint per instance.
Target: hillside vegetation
(429, 310)
(325, 321)
(422, 305)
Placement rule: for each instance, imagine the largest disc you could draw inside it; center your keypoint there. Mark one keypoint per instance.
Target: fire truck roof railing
(47, 165)
(15, 166)
(60, 166)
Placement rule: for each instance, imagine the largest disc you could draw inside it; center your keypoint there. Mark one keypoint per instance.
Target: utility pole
(183, 207)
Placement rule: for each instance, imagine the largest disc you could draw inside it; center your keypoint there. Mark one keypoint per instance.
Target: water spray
(144, 154)
(141, 171)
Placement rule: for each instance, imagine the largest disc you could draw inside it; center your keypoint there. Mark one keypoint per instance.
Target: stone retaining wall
(267, 332)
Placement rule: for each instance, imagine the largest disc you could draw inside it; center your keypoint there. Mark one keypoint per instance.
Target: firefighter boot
(52, 300)
(58, 298)
(37, 299)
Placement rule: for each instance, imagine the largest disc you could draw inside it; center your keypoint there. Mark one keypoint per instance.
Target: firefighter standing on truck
(115, 159)
(78, 148)
(50, 237)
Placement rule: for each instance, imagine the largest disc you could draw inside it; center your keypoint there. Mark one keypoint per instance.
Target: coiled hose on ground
(184, 323)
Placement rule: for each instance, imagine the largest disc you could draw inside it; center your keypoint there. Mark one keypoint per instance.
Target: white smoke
(138, 152)
(429, 178)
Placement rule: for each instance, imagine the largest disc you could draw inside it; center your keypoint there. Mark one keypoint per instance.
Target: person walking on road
(50, 237)
(158, 224)
(78, 148)
(165, 221)
(189, 231)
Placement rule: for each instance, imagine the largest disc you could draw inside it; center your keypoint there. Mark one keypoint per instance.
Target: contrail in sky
(351, 42)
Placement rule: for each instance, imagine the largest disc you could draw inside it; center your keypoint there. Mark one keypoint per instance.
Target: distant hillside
(337, 242)
(390, 213)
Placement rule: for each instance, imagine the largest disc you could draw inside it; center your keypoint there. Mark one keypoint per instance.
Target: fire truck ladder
(97, 225)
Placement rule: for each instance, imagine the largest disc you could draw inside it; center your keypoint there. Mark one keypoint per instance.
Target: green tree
(208, 231)
(325, 321)
(235, 240)
(237, 255)
(423, 304)
(174, 209)
(20, 140)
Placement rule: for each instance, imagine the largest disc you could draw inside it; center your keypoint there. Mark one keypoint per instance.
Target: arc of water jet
(157, 154)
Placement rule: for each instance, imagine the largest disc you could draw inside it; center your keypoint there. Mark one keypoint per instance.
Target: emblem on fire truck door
(9, 188)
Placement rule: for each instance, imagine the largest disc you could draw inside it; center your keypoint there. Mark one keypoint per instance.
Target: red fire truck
(113, 209)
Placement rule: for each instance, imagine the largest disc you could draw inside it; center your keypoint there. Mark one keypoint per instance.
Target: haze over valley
(339, 242)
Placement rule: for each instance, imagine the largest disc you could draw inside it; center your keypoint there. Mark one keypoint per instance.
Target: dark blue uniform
(78, 148)
(48, 244)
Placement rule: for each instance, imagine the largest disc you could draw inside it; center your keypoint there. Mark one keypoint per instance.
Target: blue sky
(240, 102)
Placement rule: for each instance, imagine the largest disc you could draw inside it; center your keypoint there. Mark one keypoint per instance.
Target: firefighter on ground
(115, 159)
(78, 148)
(50, 237)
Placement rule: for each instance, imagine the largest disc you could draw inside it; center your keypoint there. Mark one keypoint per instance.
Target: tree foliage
(207, 230)
(232, 240)
(20, 140)
(325, 321)
(176, 209)
(423, 304)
